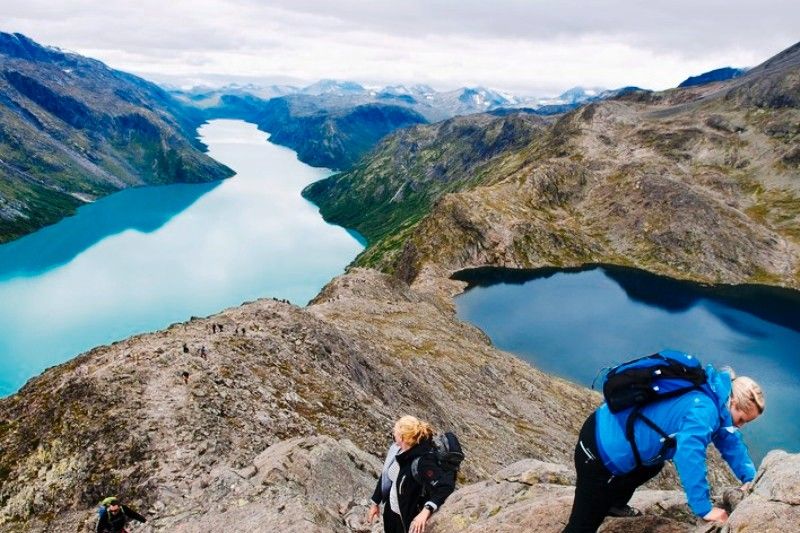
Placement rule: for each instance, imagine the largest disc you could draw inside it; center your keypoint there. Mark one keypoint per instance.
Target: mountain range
(334, 123)
(75, 130)
(278, 423)
(700, 182)
(432, 104)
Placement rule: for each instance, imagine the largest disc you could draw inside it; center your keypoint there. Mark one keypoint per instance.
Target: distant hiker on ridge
(419, 473)
(113, 516)
(661, 407)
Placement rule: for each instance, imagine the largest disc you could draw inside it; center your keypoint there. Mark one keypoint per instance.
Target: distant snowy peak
(485, 99)
(334, 87)
(575, 95)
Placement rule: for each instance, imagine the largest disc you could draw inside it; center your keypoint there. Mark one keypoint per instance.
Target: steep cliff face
(72, 129)
(698, 183)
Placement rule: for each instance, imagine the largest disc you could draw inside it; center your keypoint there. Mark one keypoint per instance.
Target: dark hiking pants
(596, 489)
(392, 523)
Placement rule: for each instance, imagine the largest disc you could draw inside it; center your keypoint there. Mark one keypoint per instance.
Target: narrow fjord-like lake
(573, 323)
(144, 258)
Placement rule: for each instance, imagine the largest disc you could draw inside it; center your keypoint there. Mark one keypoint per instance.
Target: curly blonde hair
(412, 430)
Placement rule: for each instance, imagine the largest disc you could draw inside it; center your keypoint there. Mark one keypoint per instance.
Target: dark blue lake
(575, 322)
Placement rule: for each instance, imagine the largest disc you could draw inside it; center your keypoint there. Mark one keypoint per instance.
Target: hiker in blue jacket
(607, 468)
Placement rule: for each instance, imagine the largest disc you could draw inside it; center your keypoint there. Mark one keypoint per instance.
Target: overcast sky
(529, 47)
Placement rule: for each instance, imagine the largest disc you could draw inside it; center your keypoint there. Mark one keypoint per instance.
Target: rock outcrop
(537, 497)
(315, 484)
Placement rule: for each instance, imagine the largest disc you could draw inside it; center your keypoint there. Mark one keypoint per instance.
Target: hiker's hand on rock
(418, 525)
(746, 487)
(716, 515)
(373, 513)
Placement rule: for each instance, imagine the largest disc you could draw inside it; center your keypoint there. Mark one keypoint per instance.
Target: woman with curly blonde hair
(408, 503)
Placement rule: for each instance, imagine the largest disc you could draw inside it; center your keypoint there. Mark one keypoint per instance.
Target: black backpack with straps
(449, 456)
(646, 380)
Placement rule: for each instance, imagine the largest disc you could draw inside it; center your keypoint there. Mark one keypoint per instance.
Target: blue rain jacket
(695, 419)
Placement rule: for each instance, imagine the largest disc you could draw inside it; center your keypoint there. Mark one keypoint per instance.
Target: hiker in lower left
(113, 516)
(620, 450)
(413, 484)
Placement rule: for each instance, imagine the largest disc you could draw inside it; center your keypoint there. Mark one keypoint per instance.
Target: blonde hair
(746, 393)
(412, 430)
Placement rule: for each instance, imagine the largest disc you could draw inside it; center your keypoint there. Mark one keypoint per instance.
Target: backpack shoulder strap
(415, 470)
(667, 440)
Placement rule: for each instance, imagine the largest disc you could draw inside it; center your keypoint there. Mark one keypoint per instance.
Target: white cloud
(533, 47)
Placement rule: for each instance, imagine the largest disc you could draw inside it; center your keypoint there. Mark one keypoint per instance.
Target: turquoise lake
(574, 323)
(144, 258)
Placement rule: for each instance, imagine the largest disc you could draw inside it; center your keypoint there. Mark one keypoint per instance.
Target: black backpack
(449, 456)
(649, 379)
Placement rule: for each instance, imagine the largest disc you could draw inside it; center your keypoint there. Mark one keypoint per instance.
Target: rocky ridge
(282, 417)
(165, 427)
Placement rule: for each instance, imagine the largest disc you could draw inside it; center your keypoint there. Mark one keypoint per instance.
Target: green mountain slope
(389, 192)
(72, 129)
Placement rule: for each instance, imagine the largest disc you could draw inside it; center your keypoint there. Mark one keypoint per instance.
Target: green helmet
(111, 500)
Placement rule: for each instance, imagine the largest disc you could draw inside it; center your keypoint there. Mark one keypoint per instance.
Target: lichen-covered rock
(774, 504)
(537, 497)
(315, 484)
